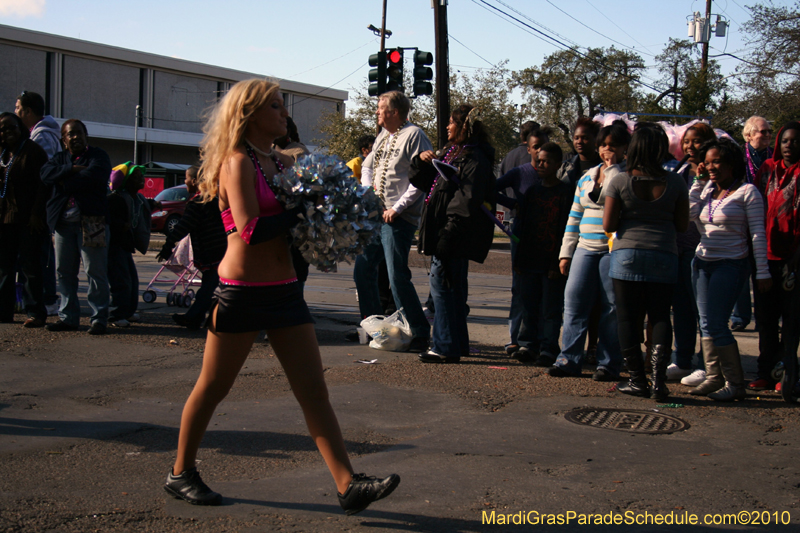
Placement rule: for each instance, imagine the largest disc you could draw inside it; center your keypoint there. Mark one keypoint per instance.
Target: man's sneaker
(695, 378)
(364, 490)
(121, 323)
(545, 360)
(676, 373)
(33, 322)
(524, 355)
(97, 329)
(135, 317)
(738, 326)
(60, 325)
(558, 372)
(601, 374)
(761, 384)
(188, 486)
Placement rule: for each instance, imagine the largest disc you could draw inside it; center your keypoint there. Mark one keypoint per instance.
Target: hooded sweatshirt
(778, 184)
(47, 134)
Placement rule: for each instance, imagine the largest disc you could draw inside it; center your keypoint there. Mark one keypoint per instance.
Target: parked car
(173, 203)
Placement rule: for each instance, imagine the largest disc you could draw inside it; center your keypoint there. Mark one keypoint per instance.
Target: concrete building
(103, 85)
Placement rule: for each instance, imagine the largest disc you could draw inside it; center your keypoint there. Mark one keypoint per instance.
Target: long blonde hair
(224, 131)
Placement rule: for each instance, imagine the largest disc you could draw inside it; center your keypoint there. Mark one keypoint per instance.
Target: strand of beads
(451, 154)
(713, 208)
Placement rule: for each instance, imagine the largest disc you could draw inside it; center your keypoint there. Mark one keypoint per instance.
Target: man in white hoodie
(46, 132)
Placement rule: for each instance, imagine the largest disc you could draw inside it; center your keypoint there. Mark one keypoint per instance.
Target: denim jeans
(202, 300)
(123, 280)
(394, 244)
(684, 313)
(544, 302)
(717, 285)
(448, 289)
(589, 281)
(18, 246)
(69, 253)
(521, 330)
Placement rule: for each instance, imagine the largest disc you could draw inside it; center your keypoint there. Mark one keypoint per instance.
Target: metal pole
(383, 27)
(136, 133)
(442, 70)
(704, 64)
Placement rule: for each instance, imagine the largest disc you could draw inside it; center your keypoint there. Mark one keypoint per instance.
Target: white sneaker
(121, 323)
(52, 309)
(675, 373)
(134, 318)
(695, 378)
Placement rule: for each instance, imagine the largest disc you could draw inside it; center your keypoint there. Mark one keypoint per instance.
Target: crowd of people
(623, 243)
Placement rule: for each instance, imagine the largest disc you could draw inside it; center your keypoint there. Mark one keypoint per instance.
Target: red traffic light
(395, 56)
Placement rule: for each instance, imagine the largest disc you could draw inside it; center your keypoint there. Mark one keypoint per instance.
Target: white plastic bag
(391, 333)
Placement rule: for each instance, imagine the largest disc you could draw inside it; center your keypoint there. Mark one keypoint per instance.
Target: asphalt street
(89, 425)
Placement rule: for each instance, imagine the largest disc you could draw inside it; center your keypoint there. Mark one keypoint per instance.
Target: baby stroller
(180, 264)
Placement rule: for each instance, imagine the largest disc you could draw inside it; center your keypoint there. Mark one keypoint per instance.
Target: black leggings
(634, 300)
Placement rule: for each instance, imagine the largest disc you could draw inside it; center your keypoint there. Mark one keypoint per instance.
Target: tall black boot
(637, 383)
(660, 359)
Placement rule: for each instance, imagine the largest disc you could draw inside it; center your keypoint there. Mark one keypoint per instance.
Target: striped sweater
(585, 224)
(737, 219)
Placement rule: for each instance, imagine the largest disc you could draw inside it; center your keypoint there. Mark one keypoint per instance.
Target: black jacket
(453, 223)
(25, 194)
(203, 222)
(89, 187)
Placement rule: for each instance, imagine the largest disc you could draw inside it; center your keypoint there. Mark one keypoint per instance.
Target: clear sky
(327, 43)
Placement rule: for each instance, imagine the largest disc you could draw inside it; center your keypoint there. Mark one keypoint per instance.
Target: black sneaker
(524, 355)
(188, 486)
(60, 325)
(364, 490)
(97, 329)
(558, 372)
(601, 374)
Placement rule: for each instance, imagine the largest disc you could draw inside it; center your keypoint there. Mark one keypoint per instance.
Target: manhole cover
(629, 421)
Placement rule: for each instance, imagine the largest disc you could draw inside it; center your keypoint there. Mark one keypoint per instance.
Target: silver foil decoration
(341, 216)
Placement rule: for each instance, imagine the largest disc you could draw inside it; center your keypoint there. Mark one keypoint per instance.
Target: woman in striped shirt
(585, 259)
(729, 212)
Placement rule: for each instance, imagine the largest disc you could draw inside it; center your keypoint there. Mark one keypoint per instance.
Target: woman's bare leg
(224, 355)
(298, 352)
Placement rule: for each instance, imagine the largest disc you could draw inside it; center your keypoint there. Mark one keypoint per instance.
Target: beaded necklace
(8, 166)
(259, 151)
(256, 162)
(712, 208)
(381, 155)
(453, 152)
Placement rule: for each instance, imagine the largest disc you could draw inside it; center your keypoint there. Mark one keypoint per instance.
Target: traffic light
(423, 73)
(394, 70)
(377, 76)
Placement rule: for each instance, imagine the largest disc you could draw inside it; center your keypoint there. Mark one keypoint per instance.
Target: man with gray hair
(386, 170)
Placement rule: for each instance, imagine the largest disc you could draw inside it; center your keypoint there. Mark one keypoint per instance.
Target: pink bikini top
(267, 203)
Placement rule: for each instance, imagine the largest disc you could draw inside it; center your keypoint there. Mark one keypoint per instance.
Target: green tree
(569, 84)
(341, 131)
(770, 76)
(685, 88)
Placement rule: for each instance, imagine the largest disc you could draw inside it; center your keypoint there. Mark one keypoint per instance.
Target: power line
(615, 24)
(597, 32)
(362, 65)
(570, 49)
(335, 59)
(538, 24)
(753, 64)
(470, 49)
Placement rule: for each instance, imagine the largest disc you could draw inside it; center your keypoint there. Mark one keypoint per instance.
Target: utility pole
(442, 70)
(704, 63)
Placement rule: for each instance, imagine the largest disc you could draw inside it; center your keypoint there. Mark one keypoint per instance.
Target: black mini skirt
(242, 309)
